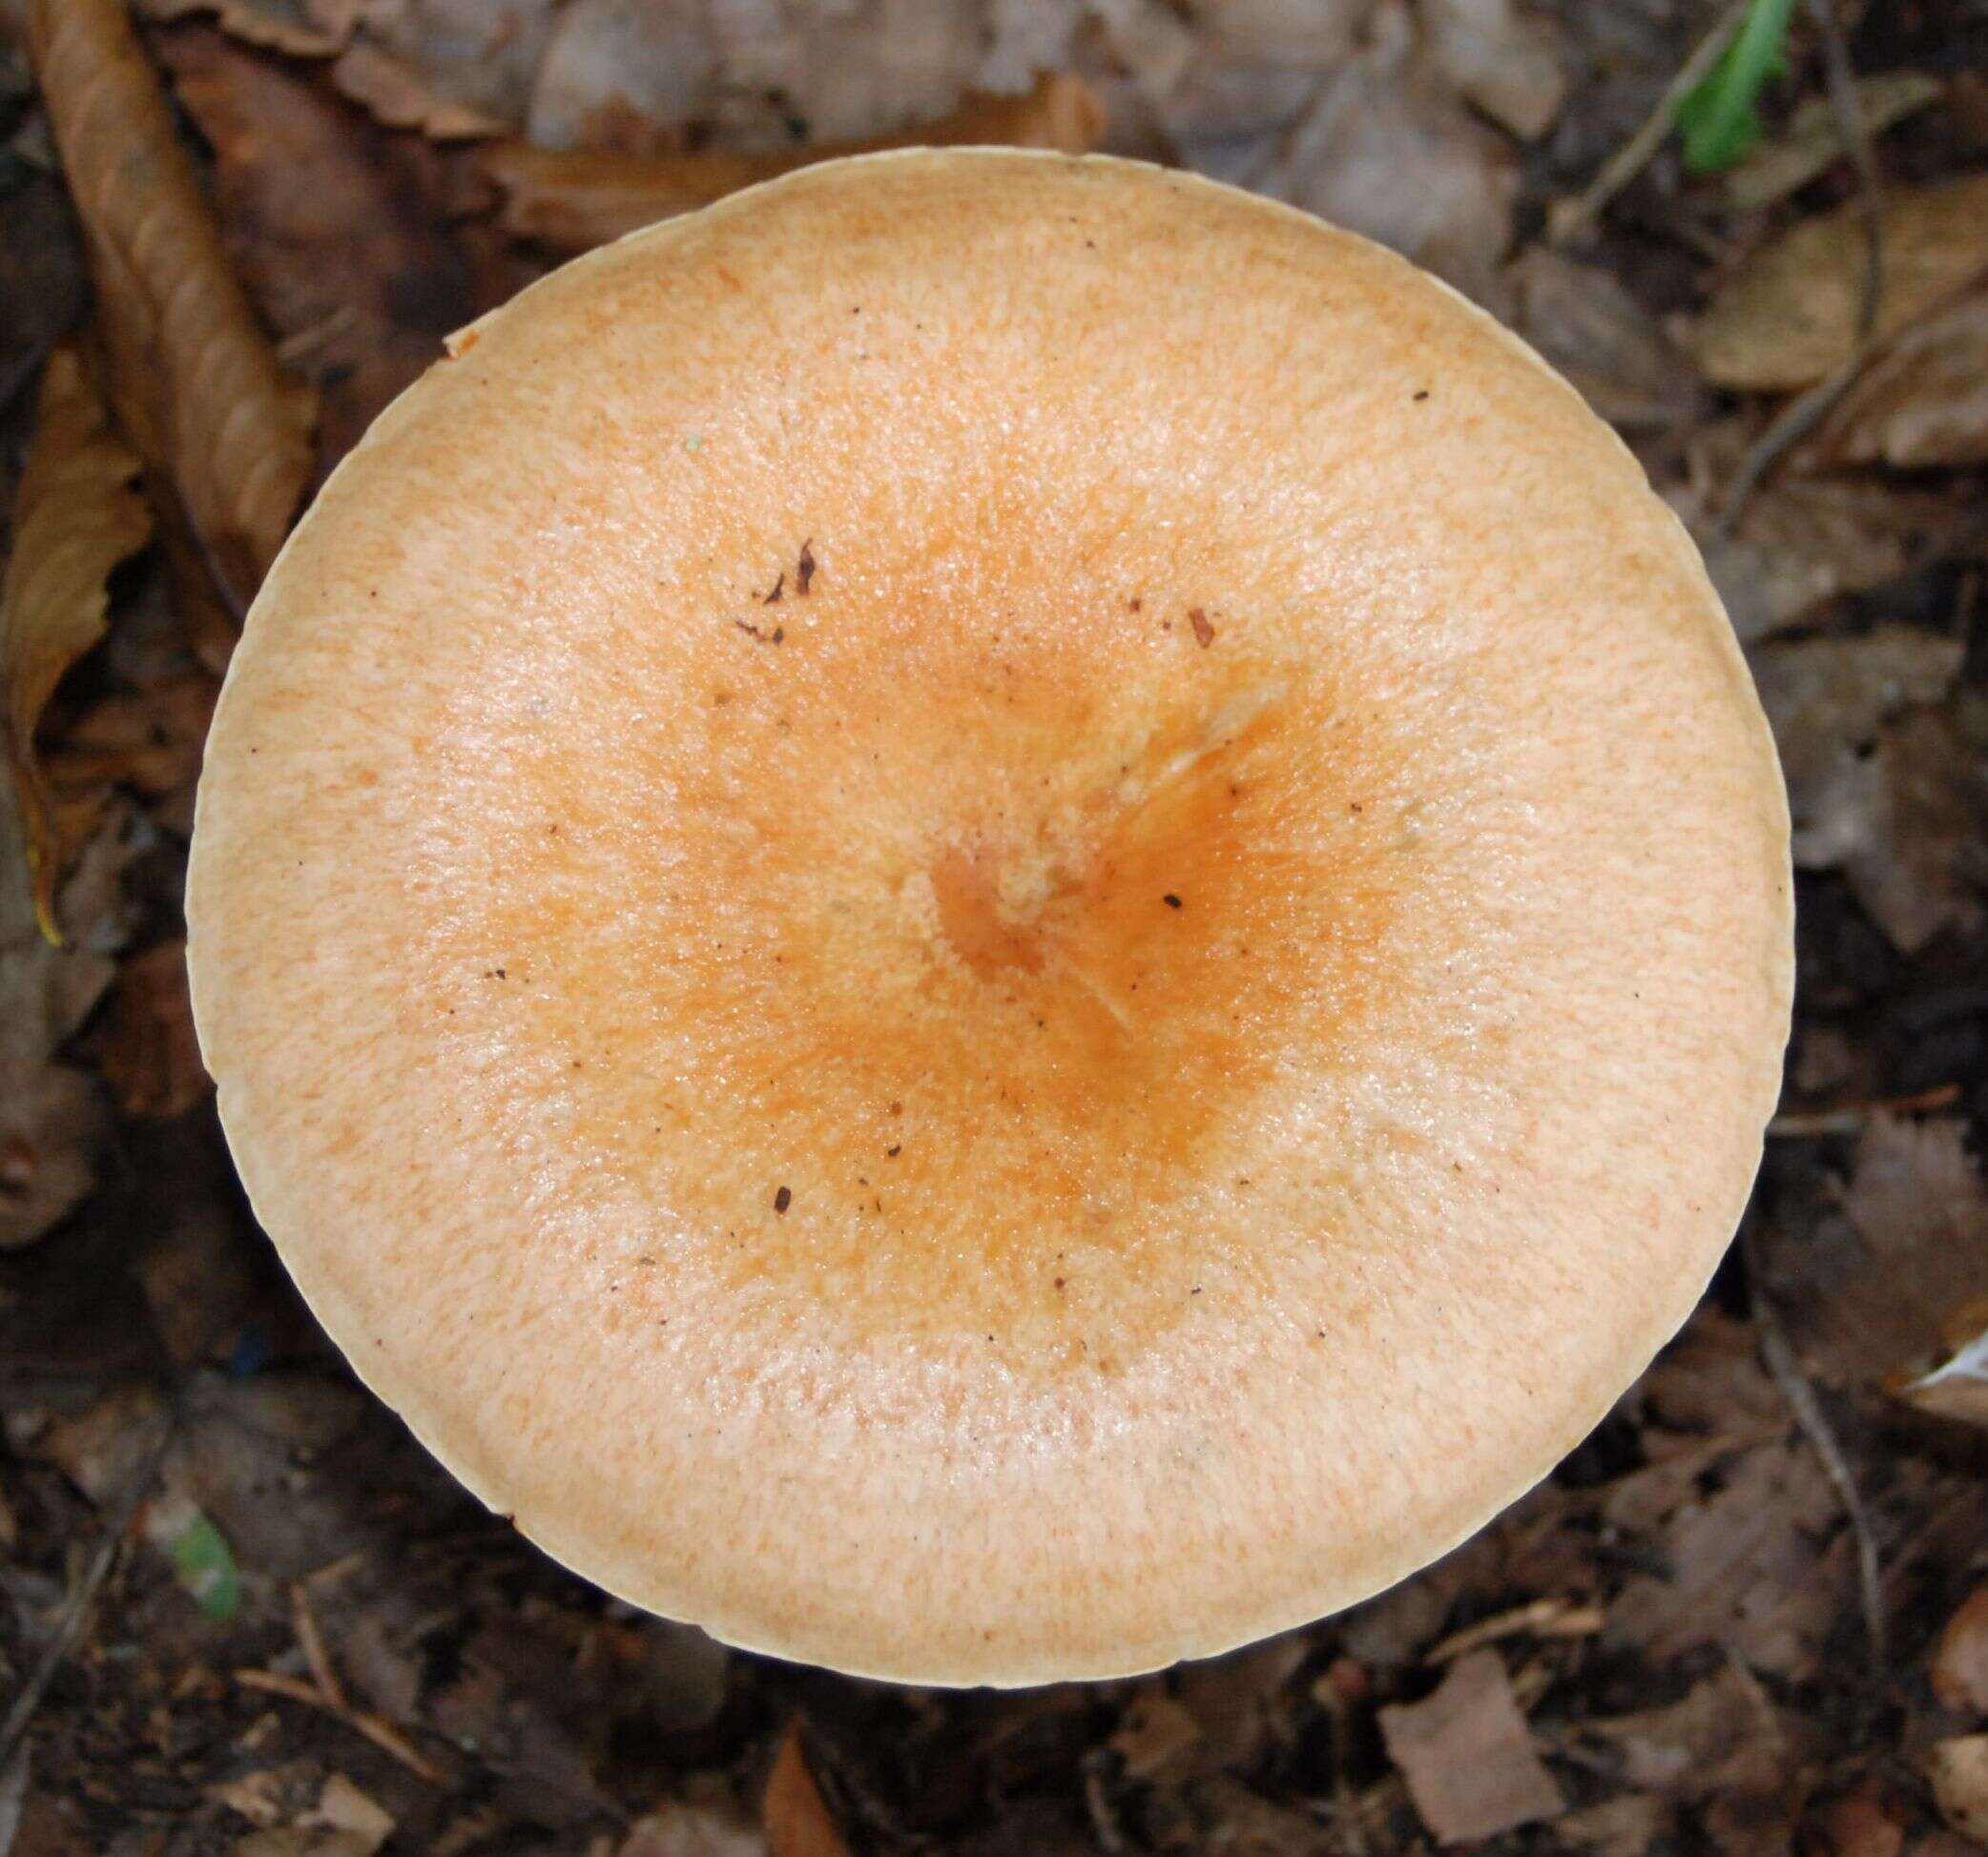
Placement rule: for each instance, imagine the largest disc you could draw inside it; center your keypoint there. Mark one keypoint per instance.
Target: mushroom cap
(993, 917)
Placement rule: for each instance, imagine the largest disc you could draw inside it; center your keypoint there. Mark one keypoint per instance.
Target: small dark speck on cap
(783, 1199)
(1421, 393)
(1172, 901)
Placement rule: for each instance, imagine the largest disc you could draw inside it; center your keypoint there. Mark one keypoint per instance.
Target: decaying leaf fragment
(76, 518)
(147, 1048)
(195, 384)
(50, 1114)
(1959, 1389)
(1813, 142)
(303, 29)
(572, 199)
(1923, 400)
(798, 1823)
(1467, 1755)
(1788, 318)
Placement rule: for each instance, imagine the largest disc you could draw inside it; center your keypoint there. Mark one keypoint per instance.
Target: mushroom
(993, 917)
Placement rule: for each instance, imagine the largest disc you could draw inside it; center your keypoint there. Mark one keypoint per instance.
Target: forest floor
(240, 1611)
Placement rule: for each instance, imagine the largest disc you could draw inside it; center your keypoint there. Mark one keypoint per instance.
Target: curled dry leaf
(575, 199)
(195, 384)
(1923, 400)
(340, 232)
(76, 517)
(1788, 318)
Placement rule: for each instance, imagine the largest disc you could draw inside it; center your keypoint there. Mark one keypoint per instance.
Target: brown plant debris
(571, 199)
(195, 384)
(76, 516)
(1467, 1755)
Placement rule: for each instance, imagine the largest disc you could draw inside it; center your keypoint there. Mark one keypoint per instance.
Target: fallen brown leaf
(146, 1045)
(1387, 148)
(1723, 1735)
(1804, 541)
(1909, 837)
(476, 57)
(1923, 400)
(304, 29)
(1960, 1657)
(1877, 782)
(195, 382)
(76, 517)
(1500, 59)
(400, 97)
(1748, 1569)
(343, 1822)
(341, 232)
(1920, 1210)
(1709, 1384)
(1241, 1702)
(1627, 1825)
(798, 1823)
(1788, 318)
(1468, 1757)
(1959, 1770)
(1255, 67)
(1865, 1822)
(50, 1115)
(572, 199)
(1156, 1736)
(1583, 321)
(148, 739)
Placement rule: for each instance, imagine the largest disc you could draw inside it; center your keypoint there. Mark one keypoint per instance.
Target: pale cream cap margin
(1439, 1177)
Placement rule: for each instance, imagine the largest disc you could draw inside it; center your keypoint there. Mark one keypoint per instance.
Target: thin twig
(312, 1643)
(376, 1728)
(1814, 1425)
(1546, 1618)
(1853, 1116)
(1568, 219)
(83, 1602)
(1805, 413)
(1841, 84)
